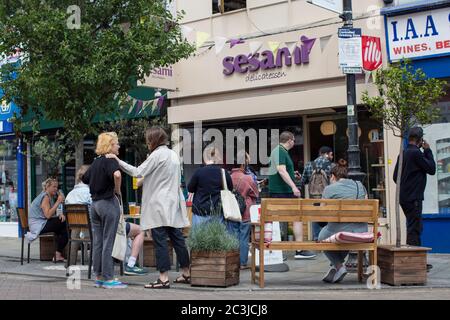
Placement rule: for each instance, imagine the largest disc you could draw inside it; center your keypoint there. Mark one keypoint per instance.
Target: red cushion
(351, 237)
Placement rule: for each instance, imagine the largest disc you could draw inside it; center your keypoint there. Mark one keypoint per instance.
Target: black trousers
(160, 236)
(414, 225)
(55, 225)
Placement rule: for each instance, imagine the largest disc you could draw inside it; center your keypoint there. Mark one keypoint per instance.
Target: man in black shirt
(416, 166)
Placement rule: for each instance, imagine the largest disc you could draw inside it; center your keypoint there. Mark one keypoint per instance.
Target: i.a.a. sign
(419, 35)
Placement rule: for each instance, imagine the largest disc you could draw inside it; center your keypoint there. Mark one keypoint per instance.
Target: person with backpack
(247, 188)
(317, 176)
(281, 181)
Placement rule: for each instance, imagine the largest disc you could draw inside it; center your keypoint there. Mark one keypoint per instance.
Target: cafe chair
(77, 219)
(24, 228)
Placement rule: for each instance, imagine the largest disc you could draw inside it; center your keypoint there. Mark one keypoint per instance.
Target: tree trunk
(79, 152)
(397, 196)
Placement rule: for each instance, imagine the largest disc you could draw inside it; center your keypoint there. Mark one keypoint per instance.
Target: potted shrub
(214, 255)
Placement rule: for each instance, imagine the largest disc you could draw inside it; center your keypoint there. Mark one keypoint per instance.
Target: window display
(8, 181)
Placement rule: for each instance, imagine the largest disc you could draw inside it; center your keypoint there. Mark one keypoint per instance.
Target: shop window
(8, 180)
(262, 145)
(222, 6)
(437, 192)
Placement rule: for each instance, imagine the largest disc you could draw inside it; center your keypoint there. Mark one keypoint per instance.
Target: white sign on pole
(350, 50)
(271, 257)
(332, 5)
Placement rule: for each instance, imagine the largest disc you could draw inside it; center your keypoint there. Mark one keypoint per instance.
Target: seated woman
(42, 218)
(340, 188)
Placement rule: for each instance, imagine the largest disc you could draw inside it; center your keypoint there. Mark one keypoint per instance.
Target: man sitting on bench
(340, 188)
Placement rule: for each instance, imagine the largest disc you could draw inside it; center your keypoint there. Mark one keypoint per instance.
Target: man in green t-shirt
(281, 182)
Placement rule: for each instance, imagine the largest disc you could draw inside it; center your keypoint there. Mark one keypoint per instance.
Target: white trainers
(330, 275)
(340, 275)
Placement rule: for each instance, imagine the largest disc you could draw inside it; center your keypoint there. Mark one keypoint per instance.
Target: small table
(135, 219)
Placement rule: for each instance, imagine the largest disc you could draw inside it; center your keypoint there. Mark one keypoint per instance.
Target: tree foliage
(406, 98)
(73, 74)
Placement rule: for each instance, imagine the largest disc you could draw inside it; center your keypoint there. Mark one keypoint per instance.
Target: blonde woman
(163, 206)
(42, 218)
(104, 179)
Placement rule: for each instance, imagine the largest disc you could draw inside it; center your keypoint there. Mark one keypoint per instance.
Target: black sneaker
(304, 254)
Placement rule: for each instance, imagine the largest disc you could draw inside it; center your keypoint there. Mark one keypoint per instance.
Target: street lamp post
(354, 166)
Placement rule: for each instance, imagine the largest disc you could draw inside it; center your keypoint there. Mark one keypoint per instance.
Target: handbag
(230, 205)
(120, 242)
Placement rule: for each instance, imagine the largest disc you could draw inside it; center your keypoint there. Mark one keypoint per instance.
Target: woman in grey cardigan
(163, 209)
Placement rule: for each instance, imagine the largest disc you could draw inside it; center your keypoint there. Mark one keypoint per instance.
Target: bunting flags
(186, 31)
(255, 46)
(202, 37)
(274, 46)
(367, 75)
(234, 42)
(324, 42)
(220, 43)
(291, 45)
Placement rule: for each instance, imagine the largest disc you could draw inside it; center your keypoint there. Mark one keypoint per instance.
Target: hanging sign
(371, 53)
(332, 5)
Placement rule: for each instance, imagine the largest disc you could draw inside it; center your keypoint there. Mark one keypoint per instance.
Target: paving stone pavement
(46, 280)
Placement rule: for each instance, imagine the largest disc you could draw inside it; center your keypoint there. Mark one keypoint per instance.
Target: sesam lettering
(267, 60)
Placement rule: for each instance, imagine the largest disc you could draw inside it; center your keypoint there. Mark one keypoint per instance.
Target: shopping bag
(230, 205)
(120, 242)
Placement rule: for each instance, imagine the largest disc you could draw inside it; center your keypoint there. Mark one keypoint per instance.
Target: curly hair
(105, 142)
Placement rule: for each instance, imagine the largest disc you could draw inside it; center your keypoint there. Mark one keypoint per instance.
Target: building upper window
(221, 6)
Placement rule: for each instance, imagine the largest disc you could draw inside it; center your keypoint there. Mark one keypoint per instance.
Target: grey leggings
(104, 218)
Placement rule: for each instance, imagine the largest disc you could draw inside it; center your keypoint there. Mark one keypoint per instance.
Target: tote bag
(120, 242)
(230, 205)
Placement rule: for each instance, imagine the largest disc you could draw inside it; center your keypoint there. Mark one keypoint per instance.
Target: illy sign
(371, 51)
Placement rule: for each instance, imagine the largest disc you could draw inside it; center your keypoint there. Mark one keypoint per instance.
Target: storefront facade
(11, 173)
(420, 31)
(298, 87)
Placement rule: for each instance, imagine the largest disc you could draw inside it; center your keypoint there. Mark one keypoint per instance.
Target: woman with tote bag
(163, 209)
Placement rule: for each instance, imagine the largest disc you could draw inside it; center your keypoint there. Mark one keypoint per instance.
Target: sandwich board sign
(271, 257)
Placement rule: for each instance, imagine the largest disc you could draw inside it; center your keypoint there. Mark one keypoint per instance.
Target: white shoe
(340, 274)
(330, 275)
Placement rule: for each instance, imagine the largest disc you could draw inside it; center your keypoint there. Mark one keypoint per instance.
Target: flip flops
(183, 279)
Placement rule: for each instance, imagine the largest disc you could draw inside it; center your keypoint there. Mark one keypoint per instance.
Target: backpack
(318, 182)
(240, 199)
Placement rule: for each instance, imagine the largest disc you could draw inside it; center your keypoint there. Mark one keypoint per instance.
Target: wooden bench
(314, 210)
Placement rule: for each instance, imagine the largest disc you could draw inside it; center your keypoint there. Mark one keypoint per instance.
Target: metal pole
(354, 166)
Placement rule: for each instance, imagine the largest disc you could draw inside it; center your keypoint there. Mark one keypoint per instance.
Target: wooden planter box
(406, 265)
(215, 269)
(150, 253)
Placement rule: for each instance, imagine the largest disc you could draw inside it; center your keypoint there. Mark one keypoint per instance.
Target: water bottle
(59, 210)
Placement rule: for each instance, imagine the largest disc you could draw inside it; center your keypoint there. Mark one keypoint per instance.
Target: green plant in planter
(212, 236)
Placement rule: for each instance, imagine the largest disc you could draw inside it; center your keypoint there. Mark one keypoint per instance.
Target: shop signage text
(267, 60)
(419, 35)
(371, 51)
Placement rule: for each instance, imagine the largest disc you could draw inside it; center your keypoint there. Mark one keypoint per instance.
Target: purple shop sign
(266, 60)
